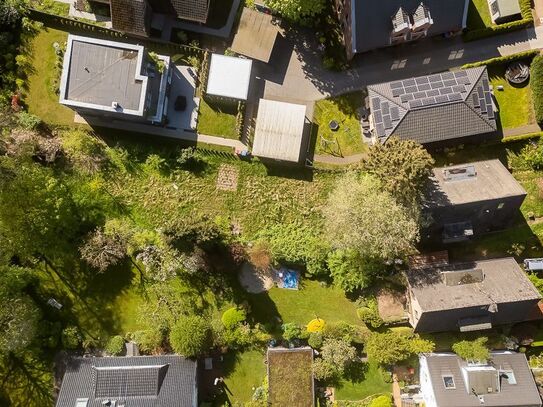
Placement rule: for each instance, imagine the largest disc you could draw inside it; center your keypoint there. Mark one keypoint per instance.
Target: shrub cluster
(369, 313)
(536, 84)
(505, 59)
(115, 345)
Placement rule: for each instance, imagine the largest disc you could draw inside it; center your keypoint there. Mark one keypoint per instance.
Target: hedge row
(498, 29)
(522, 137)
(505, 59)
(536, 84)
(527, 21)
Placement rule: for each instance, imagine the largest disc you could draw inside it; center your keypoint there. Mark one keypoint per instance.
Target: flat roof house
(470, 296)
(370, 24)
(142, 381)
(290, 377)
(470, 199)
(135, 16)
(434, 108)
(120, 80)
(279, 130)
(504, 381)
(228, 78)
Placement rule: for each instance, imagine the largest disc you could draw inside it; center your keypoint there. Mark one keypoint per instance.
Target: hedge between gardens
(527, 21)
(536, 84)
(505, 59)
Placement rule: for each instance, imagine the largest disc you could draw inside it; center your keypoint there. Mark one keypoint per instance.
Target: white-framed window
(448, 382)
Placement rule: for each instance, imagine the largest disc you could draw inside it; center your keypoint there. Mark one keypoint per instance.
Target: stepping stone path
(227, 180)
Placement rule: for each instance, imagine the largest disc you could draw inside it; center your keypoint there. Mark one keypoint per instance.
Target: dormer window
(448, 382)
(422, 19)
(400, 22)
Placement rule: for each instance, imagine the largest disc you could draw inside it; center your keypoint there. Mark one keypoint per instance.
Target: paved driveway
(295, 72)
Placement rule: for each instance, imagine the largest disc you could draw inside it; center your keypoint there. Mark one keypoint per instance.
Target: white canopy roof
(279, 130)
(229, 77)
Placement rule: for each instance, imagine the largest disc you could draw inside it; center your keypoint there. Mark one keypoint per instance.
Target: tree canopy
(391, 347)
(362, 217)
(475, 350)
(402, 166)
(190, 336)
(297, 10)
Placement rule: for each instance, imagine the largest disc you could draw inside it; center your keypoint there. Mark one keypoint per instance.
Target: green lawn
(301, 306)
(52, 7)
(217, 120)
(478, 15)
(347, 140)
(369, 383)
(40, 96)
(514, 103)
(245, 372)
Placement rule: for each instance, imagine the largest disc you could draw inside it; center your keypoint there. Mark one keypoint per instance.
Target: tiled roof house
(140, 381)
(433, 108)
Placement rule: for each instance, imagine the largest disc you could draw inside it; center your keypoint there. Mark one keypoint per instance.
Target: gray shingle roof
(194, 10)
(489, 180)
(503, 281)
(372, 23)
(133, 16)
(524, 393)
(141, 381)
(433, 108)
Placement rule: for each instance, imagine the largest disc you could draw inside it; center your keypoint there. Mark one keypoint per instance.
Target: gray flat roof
(279, 130)
(503, 282)
(523, 393)
(255, 36)
(491, 181)
(97, 73)
(229, 77)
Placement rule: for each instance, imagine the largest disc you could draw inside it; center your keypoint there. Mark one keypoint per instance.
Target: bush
(190, 336)
(474, 351)
(381, 401)
(536, 85)
(233, 317)
(291, 331)
(391, 347)
(315, 340)
(369, 314)
(505, 59)
(115, 345)
(316, 325)
(148, 340)
(28, 121)
(71, 337)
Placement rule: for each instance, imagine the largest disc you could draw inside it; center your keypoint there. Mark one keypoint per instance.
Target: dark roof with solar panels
(434, 108)
(141, 381)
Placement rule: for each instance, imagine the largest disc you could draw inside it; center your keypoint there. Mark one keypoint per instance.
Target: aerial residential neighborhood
(271, 203)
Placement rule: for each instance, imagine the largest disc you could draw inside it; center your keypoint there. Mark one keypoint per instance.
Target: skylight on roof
(448, 382)
(459, 173)
(509, 376)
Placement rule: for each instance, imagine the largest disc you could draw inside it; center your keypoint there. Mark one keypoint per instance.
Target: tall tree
(402, 167)
(362, 217)
(37, 213)
(297, 10)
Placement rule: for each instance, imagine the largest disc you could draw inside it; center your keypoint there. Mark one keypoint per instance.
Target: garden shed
(229, 78)
(279, 130)
(290, 377)
(502, 11)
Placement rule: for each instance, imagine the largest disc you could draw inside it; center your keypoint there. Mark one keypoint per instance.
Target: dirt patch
(391, 304)
(255, 281)
(227, 179)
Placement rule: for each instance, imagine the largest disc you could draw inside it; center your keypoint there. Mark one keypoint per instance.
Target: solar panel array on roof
(431, 90)
(128, 381)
